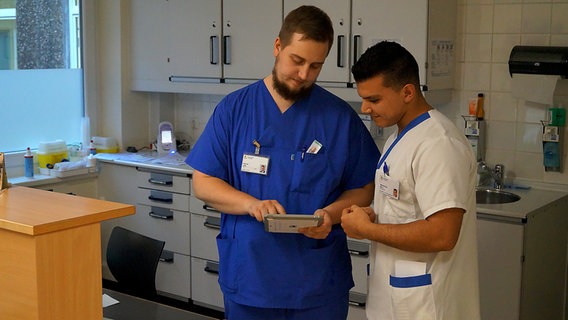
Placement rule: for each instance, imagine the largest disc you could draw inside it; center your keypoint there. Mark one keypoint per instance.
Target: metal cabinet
(522, 264)
(359, 250)
(162, 212)
(425, 27)
(201, 41)
(205, 225)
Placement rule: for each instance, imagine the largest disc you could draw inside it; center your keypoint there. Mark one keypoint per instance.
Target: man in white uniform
(423, 224)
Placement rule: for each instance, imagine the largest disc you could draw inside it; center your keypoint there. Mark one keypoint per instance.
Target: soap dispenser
(551, 140)
(475, 133)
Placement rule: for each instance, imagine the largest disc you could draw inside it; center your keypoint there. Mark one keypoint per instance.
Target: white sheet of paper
(108, 300)
(405, 268)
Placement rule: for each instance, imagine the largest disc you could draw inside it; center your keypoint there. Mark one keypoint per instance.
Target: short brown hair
(309, 21)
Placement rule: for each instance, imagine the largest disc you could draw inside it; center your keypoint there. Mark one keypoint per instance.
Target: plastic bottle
(480, 111)
(92, 148)
(29, 164)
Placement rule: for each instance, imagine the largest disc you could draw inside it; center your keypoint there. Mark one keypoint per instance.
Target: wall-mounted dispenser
(475, 133)
(551, 139)
(536, 70)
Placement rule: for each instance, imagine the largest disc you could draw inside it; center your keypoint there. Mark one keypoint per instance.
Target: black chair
(133, 259)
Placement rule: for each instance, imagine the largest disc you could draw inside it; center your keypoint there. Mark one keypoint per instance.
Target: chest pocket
(314, 173)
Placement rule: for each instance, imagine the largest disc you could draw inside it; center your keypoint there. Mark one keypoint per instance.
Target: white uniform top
(435, 168)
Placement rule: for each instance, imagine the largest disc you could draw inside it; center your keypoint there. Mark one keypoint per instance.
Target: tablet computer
(290, 223)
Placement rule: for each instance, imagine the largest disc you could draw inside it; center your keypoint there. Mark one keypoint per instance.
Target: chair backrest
(133, 259)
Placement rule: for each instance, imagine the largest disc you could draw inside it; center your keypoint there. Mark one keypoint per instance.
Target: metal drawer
(204, 284)
(204, 230)
(359, 259)
(168, 225)
(174, 277)
(163, 181)
(163, 199)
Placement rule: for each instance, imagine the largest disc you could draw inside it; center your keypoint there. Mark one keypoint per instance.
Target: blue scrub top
(274, 270)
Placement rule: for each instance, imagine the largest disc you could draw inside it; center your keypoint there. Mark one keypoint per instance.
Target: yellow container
(52, 152)
(105, 145)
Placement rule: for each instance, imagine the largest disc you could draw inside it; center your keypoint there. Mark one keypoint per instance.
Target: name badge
(389, 186)
(254, 163)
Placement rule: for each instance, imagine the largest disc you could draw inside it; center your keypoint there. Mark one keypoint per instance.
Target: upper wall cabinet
(425, 28)
(216, 46)
(201, 41)
(336, 70)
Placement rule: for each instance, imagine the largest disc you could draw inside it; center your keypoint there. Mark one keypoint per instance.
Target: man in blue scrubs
(285, 145)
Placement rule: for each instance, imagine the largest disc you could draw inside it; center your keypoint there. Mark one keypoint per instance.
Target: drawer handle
(359, 253)
(209, 208)
(212, 222)
(356, 303)
(160, 199)
(160, 182)
(169, 216)
(211, 267)
(167, 256)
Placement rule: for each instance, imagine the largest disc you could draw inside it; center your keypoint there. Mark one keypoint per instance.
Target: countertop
(150, 160)
(532, 200)
(34, 211)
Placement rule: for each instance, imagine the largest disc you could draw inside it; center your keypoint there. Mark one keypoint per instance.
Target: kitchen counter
(150, 160)
(532, 200)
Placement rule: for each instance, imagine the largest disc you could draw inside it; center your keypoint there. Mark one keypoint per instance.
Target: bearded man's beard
(286, 92)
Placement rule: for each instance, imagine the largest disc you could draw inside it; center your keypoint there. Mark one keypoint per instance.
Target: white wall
(488, 29)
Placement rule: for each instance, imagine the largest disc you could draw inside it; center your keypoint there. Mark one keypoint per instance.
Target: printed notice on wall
(442, 57)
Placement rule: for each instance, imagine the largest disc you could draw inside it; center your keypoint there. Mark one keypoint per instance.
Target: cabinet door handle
(167, 256)
(212, 222)
(356, 44)
(211, 267)
(160, 182)
(340, 51)
(227, 49)
(209, 208)
(213, 50)
(152, 198)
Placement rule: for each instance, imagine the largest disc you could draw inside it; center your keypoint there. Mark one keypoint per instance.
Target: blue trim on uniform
(411, 282)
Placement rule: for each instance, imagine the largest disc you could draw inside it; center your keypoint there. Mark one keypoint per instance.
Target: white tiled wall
(487, 31)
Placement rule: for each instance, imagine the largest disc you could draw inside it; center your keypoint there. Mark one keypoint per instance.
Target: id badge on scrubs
(389, 187)
(255, 163)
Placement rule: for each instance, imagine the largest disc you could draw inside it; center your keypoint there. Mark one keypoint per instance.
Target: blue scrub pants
(336, 310)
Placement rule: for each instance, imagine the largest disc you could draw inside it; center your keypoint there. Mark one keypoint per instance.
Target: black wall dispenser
(539, 60)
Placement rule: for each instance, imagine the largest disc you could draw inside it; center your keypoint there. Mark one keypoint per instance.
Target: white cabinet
(176, 42)
(162, 212)
(500, 246)
(85, 187)
(359, 251)
(425, 27)
(205, 225)
(337, 68)
(522, 264)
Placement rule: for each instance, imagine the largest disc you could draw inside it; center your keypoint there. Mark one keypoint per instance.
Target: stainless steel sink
(493, 196)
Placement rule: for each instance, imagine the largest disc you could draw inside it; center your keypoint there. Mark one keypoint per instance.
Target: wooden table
(50, 254)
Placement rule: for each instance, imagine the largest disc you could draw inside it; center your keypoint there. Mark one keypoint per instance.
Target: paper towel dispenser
(539, 60)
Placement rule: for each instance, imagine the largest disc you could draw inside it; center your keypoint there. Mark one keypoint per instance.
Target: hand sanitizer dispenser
(475, 132)
(551, 141)
(166, 142)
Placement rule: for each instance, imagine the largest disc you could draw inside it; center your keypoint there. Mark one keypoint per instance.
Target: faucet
(499, 176)
(491, 177)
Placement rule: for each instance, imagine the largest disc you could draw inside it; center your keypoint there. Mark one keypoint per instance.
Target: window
(41, 76)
